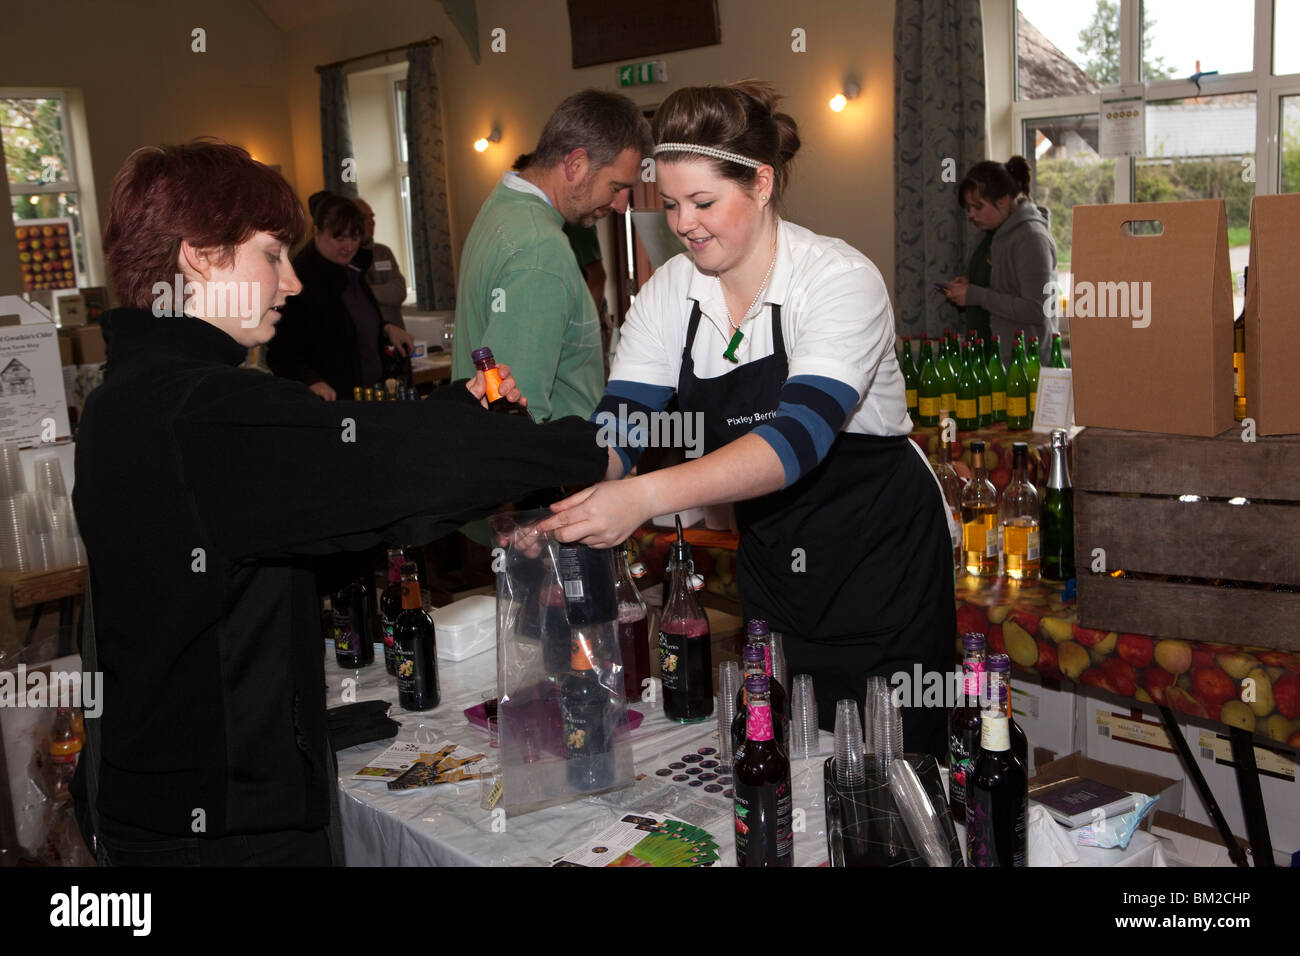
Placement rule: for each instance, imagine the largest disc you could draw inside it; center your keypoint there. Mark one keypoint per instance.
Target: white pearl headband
(708, 151)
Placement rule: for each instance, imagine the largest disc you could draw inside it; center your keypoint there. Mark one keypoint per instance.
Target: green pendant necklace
(738, 336)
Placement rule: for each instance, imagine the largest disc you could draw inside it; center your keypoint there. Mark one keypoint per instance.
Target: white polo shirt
(835, 317)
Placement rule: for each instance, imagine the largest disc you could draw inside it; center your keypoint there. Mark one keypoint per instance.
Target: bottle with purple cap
(487, 364)
(964, 722)
(758, 635)
(763, 798)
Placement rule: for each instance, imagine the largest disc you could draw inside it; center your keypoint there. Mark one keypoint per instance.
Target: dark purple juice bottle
(997, 790)
(354, 625)
(633, 629)
(685, 654)
(751, 666)
(764, 801)
(758, 635)
(964, 723)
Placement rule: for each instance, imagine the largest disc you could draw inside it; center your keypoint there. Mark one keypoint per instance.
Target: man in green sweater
(520, 292)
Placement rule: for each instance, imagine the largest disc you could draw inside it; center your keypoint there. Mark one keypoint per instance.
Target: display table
(446, 825)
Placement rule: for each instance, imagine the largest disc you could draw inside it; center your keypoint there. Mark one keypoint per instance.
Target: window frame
(1268, 89)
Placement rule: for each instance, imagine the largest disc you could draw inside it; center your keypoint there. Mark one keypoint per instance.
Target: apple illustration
(1135, 649)
(1212, 686)
(1120, 675)
(1026, 619)
(1087, 636)
(971, 620)
(1286, 695)
(1093, 677)
(1047, 660)
(1185, 703)
(997, 645)
(1155, 680)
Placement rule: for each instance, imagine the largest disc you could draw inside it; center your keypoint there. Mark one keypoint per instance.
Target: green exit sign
(651, 71)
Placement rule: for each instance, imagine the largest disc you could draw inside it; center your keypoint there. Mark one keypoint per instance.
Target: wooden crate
(1126, 501)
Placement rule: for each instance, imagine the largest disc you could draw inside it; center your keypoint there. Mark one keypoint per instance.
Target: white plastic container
(466, 628)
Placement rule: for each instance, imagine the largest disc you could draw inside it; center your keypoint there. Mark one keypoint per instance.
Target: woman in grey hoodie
(1012, 277)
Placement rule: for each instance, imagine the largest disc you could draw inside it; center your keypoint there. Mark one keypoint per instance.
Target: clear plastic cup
(777, 648)
(728, 686)
(850, 760)
(805, 736)
(12, 479)
(48, 474)
(875, 687)
(887, 731)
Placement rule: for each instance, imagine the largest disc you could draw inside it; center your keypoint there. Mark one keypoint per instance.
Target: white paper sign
(1123, 121)
(1054, 406)
(31, 375)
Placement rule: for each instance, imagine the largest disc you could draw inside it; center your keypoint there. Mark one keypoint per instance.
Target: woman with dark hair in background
(782, 341)
(205, 492)
(333, 334)
(1012, 273)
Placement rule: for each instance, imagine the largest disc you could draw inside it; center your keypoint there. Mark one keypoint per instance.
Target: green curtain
(435, 281)
(938, 135)
(336, 133)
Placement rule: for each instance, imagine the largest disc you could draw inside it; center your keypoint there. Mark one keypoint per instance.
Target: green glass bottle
(985, 384)
(998, 378)
(928, 388)
(1058, 515)
(910, 379)
(1018, 418)
(968, 393)
(1033, 362)
(1058, 358)
(949, 363)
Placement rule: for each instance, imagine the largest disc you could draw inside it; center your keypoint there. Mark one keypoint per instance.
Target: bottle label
(911, 398)
(759, 724)
(929, 406)
(980, 537)
(999, 401)
(1033, 400)
(994, 733)
(583, 732)
(388, 636)
(986, 405)
(1031, 546)
(764, 824)
(949, 401)
(672, 659)
(343, 631)
(492, 381)
(973, 679)
(408, 678)
(1017, 407)
(967, 408)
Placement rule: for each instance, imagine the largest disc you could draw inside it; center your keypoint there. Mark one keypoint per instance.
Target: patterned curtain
(435, 282)
(336, 133)
(938, 136)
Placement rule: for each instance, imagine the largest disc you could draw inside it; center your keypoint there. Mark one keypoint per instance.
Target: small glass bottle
(979, 519)
(685, 650)
(985, 384)
(764, 800)
(487, 364)
(929, 388)
(1018, 516)
(964, 722)
(415, 648)
(1018, 417)
(633, 628)
(911, 380)
(968, 393)
(998, 378)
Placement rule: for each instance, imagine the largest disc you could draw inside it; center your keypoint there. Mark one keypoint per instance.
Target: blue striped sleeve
(621, 399)
(813, 409)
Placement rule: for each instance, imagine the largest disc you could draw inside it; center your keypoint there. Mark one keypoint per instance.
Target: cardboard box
(1272, 320)
(88, 345)
(1191, 844)
(65, 350)
(1127, 733)
(1151, 318)
(32, 398)
(1276, 764)
(1122, 778)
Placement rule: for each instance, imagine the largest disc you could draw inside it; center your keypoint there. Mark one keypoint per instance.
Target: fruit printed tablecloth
(1255, 688)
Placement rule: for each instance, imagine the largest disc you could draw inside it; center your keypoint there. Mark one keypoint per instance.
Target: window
(1229, 133)
(43, 186)
(404, 178)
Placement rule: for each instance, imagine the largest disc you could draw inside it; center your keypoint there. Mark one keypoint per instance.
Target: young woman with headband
(783, 341)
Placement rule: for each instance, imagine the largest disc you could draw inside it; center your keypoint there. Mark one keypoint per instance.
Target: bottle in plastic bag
(633, 629)
(65, 747)
(587, 715)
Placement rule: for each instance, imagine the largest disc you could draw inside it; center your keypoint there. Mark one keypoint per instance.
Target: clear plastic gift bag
(562, 715)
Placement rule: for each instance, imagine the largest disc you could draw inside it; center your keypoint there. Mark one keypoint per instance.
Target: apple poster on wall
(47, 254)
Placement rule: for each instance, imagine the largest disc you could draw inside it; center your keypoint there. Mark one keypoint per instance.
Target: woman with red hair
(204, 493)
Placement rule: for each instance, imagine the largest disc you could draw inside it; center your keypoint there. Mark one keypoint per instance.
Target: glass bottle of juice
(979, 519)
(1018, 515)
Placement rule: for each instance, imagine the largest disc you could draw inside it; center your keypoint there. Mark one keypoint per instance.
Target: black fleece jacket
(203, 491)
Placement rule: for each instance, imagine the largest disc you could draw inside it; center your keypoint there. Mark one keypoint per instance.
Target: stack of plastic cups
(876, 686)
(887, 730)
(850, 759)
(777, 654)
(52, 531)
(805, 735)
(728, 687)
(13, 510)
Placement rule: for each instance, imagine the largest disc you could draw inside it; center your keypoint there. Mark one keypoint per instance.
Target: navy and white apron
(852, 563)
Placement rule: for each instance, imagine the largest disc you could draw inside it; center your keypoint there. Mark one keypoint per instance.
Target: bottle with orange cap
(487, 364)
